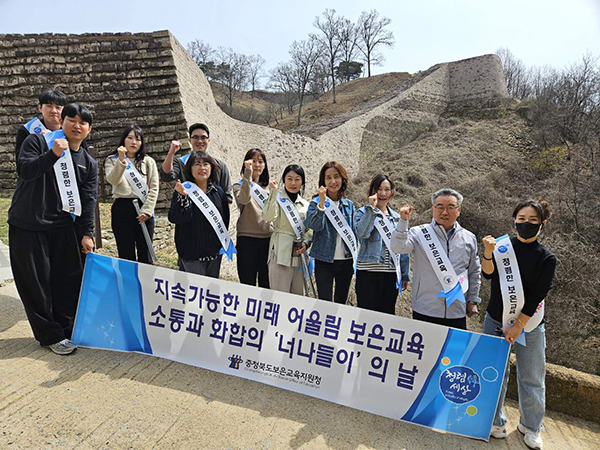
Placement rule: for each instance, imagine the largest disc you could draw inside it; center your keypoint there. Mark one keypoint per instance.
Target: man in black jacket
(51, 197)
(51, 103)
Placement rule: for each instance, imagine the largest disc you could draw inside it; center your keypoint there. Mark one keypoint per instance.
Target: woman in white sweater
(134, 178)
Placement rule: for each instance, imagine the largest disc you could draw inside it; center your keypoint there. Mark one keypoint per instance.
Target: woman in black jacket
(198, 244)
(521, 270)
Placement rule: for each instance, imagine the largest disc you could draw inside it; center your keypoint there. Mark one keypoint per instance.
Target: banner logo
(460, 384)
(235, 362)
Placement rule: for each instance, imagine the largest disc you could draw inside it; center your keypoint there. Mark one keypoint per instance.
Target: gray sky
(427, 32)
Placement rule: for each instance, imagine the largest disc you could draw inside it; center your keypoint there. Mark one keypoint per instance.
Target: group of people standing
(51, 224)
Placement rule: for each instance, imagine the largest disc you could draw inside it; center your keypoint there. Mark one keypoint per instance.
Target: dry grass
(350, 95)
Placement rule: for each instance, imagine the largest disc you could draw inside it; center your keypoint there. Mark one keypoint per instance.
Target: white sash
(337, 219)
(258, 193)
(292, 216)
(64, 170)
(135, 180)
(207, 207)
(385, 228)
(511, 287)
(35, 126)
(442, 266)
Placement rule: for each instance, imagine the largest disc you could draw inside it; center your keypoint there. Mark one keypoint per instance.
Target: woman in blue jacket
(377, 277)
(333, 257)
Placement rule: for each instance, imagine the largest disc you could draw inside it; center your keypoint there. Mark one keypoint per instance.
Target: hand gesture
(301, 249)
(322, 196)
(179, 188)
(489, 244)
(248, 164)
(373, 200)
(142, 218)
(273, 185)
(175, 147)
(60, 145)
(122, 152)
(405, 212)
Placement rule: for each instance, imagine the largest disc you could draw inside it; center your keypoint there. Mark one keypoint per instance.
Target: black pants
(207, 268)
(252, 255)
(376, 291)
(128, 231)
(47, 270)
(341, 271)
(454, 323)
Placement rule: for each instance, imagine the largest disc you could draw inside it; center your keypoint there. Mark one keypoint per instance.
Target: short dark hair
(263, 180)
(376, 183)
(53, 96)
(74, 110)
(337, 166)
(541, 206)
(141, 153)
(296, 169)
(201, 157)
(199, 125)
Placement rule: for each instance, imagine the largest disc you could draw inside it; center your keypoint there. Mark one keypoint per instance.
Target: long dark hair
(263, 180)
(141, 153)
(343, 174)
(201, 157)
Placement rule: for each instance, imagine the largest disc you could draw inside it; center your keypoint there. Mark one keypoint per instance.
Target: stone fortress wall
(149, 78)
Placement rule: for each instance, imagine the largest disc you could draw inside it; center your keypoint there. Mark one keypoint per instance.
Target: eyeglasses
(195, 137)
(449, 207)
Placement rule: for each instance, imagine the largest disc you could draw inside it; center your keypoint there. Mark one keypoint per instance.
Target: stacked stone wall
(122, 78)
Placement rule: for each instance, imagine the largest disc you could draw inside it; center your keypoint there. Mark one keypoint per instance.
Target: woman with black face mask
(521, 270)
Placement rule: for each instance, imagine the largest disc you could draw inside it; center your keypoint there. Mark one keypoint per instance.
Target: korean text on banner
(439, 377)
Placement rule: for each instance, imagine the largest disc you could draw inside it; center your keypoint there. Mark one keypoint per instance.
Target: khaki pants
(284, 278)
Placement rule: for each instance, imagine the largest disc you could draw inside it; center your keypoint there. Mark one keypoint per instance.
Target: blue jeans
(531, 376)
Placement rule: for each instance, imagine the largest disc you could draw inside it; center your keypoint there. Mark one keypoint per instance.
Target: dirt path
(108, 400)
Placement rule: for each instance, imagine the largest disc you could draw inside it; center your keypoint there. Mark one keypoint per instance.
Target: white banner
(35, 126)
(337, 219)
(210, 211)
(64, 170)
(511, 287)
(435, 376)
(453, 287)
(135, 180)
(259, 195)
(292, 216)
(385, 228)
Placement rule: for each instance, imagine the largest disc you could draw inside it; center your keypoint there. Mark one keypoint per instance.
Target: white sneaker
(64, 347)
(498, 432)
(532, 439)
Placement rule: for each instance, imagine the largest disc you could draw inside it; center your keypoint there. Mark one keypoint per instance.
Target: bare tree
(373, 35)
(516, 74)
(349, 49)
(203, 54)
(232, 72)
(330, 27)
(320, 81)
(255, 70)
(282, 80)
(305, 57)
